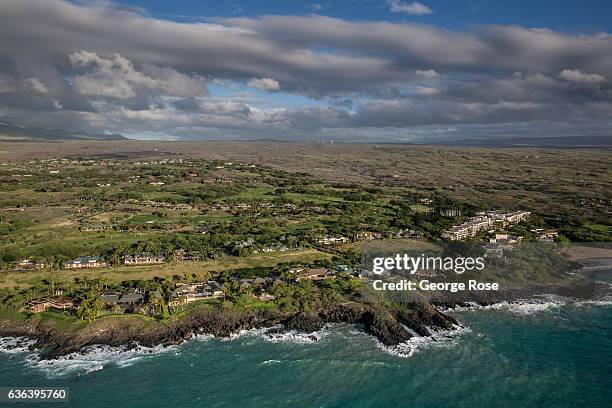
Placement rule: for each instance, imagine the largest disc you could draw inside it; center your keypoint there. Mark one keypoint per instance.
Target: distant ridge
(547, 141)
(14, 132)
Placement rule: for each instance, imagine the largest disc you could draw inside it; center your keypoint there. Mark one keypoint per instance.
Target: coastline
(392, 326)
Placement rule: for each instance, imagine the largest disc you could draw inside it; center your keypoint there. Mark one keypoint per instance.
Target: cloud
(125, 71)
(114, 76)
(425, 90)
(414, 8)
(426, 74)
(264, 84)
(36, 85)
(575, 75)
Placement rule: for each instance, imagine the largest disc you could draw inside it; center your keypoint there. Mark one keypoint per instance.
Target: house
(343, 268)
(313, 274)
(187, 293)
(144, 259)
(85, 262)
(369, 236)
(37, 306)
(185, 288)
(181, 255)
(215, 287)
(61, 303)
(131, 299)
(333, 240)
(502, 242)
(259, 281)
(110, 298)
(546, 234)
(25, 264)
(41, 305)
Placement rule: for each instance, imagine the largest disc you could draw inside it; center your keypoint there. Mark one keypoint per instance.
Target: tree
(90, 307)
(230, 289)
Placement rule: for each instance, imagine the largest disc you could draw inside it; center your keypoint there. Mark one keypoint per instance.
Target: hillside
(15, 132)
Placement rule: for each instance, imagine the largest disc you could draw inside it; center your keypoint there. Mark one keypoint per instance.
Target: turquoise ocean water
(545, 355)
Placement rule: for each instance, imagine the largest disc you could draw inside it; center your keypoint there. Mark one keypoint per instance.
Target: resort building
(144, 259)
(85, 262)
(484, 221)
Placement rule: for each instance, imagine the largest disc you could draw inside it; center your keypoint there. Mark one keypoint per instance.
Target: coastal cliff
(390, 322)
(387, 323)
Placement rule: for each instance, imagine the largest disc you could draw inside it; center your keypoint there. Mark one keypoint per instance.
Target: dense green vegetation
(111, 208)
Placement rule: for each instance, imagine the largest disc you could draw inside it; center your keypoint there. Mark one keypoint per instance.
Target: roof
(318, 271)
(110, 297)
(214, 285)
(259, 280)
(131, 298)
(85, 259)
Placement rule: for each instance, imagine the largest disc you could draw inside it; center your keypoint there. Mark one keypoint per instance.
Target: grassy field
(538, 179)
(24, 280)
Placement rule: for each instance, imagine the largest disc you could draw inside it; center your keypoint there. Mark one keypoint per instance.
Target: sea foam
(89, 359)
(527, 307)
(436, 338)
(14, 345)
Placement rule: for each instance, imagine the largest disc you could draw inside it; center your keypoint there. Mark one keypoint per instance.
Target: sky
(345, 70)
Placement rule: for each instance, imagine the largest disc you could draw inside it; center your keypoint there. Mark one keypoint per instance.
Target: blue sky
(572, 16)
(348, 70)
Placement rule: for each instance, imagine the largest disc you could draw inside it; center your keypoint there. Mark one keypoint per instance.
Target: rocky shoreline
(387, 325)
(391, 324)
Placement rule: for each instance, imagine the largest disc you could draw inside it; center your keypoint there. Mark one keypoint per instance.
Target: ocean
(552, 354)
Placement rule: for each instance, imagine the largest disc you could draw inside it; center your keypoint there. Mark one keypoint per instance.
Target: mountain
(15, 132)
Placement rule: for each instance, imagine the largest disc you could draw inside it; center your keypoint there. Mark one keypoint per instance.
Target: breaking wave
(437, 338)
(89, 359)
(14, 345)
(532, 306)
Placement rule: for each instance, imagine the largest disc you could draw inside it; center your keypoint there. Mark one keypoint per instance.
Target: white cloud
(414, 8)
(116, 77)
(36, 85)
(425, 90)
(141, 74)
(264, 84)
(577, 76)
(426, 74)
